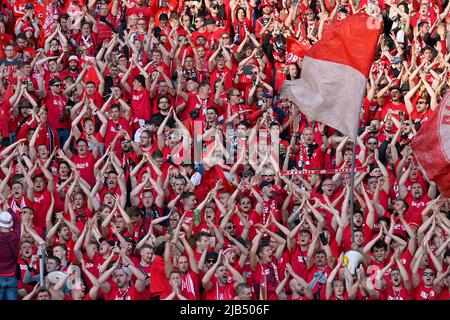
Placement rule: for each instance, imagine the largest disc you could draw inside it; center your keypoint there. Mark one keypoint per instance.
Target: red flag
(296, 49)
(431, 146)
(334, 73)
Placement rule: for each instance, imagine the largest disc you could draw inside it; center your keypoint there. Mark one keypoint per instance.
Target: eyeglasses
(431, 273)
(310, 13)
(421, 102)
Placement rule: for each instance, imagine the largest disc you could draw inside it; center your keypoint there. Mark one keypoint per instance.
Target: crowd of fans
(145, 149)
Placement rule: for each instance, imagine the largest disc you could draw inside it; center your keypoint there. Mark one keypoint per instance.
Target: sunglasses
(421, 102)
(56, 85)
(210, 261)
(428, 274)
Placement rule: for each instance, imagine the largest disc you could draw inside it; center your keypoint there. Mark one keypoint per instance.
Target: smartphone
(247, 70)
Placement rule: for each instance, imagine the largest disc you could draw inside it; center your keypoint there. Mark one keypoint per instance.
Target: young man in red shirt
(56, 103)
(122, 288)
(177, 292)
(218, 288)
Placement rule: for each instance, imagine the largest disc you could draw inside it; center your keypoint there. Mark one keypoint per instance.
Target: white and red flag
(431, 146)
(334, 73)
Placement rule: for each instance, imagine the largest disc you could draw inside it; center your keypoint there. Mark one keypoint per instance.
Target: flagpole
(353, 172)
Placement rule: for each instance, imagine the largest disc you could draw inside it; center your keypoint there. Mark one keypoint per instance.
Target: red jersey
(41, 205)
(401, 294)
(158, 282)
(125, 294)
(56, 105)
(423, 293)
(85, 166)
(220, 292)
(188, 295)
(140, 104)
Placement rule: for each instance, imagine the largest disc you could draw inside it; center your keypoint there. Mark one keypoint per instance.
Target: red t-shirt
(56, 105)
(140, 104)
(159, 282)
(128, 294)
(220, 292)
(85, 166)
(188, 295)
(41, 205)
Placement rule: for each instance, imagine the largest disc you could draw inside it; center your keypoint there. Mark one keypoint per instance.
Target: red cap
(265, 3)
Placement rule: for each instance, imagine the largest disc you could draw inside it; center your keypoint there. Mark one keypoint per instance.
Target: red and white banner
(296, 49)
(323, 171)
(51, 16)
(334, 73)
(431, 146)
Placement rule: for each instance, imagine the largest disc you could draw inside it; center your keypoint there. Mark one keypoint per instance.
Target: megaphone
(352, 260)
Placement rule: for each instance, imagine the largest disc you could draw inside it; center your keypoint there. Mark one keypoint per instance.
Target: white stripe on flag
(328, 92)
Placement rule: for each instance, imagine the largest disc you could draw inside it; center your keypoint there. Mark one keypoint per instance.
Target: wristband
(323, 239)
(197, 216)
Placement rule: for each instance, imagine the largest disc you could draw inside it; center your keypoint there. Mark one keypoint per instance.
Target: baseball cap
(54, 81)
(265, 4)
(211, 255)
(129, 239)
(6, 220)
(264, 184)
(29, 6)
(210, 21)
(248, 173)
(228, 249)
(24, 104)
(396, 60)
(110, 242)
(73, 58)
(395, 88)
